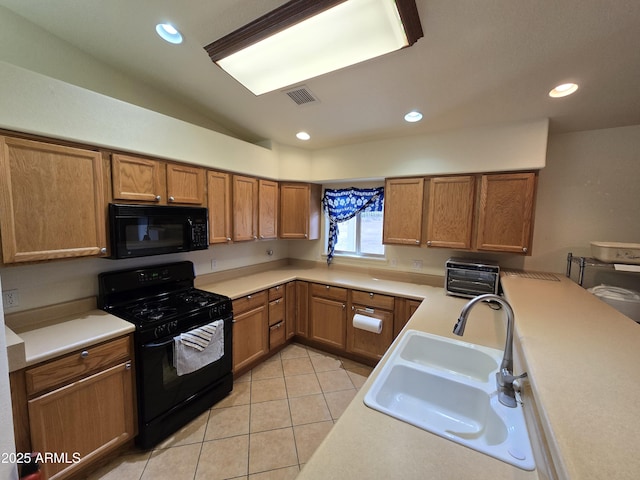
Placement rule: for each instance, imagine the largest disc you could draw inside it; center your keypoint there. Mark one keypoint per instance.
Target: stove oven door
(160, 389)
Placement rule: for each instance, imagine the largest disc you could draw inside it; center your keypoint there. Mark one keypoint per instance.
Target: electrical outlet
(417, 264)
(10, 298)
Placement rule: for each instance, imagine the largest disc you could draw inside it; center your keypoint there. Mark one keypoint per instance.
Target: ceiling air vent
(301, 95)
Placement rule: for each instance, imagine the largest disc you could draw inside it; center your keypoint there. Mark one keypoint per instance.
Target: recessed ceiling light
(413, 116)
(303, 136)
(563, 90)
(169, 33)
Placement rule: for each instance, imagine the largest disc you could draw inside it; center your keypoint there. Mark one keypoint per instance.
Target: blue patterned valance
(344, 204)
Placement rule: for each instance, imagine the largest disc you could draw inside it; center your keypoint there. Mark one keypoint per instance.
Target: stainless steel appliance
(162, 303)
(469, 278)
(143, 230)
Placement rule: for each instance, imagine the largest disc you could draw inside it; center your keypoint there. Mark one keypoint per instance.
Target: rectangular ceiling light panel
(346, 34)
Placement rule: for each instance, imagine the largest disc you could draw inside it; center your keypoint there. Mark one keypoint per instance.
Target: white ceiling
(479, 63)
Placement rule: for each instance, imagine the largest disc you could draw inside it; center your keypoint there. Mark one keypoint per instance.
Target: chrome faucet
(504, 377)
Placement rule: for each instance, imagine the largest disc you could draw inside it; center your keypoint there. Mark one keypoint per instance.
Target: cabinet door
(89, 417)
(245, 208)
(403, 205)
(299, 211)
(369, 344)
(268, 209)
(185, 184)
(250, 337)
(138, 179)
(219, 203)
(291, 302)
(51, 201)
(328, 319)
(505, 216)
(405, 308)
(450, 212)
(302, 309)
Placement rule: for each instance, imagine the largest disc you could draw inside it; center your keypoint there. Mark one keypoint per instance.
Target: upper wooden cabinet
(505, 215)
(300, 211)
(245, 208)
(138, 179)
(219, 204)
(268, 194)
(450, 212)
(185, 184)
(51, 201)
(146, 180)
(403, 206)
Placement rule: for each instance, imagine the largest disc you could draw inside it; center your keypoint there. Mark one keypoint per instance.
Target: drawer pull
(370, 294)
(327, 287)
(248, 297)
(84, 354)
(127, 366)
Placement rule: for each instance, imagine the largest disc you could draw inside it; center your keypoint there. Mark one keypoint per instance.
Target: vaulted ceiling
(479, 63)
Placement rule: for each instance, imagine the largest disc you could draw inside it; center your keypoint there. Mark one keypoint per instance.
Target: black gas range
(163, 303)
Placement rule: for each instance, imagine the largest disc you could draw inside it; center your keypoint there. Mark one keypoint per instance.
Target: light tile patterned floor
(266, 429)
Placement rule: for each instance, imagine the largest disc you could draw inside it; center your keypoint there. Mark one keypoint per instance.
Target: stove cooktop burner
(170, 306)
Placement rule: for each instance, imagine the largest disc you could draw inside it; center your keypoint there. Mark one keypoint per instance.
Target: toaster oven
(469, 278)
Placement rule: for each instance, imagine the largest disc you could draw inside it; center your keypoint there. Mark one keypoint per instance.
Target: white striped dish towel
(198, 338)
(187, 359)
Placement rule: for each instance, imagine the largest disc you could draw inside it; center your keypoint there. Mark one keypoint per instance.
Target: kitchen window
(354, 221)
(361, 236)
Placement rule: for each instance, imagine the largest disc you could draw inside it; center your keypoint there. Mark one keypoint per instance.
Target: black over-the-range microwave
(144, 230)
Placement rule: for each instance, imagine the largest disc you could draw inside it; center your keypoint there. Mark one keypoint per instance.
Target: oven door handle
(158, 344)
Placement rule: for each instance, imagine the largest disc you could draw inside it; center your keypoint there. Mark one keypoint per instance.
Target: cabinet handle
(84, 354)
(171, 199)
(158, 198)
(524, 249)
(344, 306)
(255, 237)
(127, 366)
(370, 294)
(428, 243)
(277, 287)
(228, 239)
(417, 242)
(277, 301)
(103, 250)
(306, 236)
(327, 287)
(248, 297)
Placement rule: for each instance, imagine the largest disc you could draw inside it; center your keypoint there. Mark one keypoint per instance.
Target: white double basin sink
(448, 387)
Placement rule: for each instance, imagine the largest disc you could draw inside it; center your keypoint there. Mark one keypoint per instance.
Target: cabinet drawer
(249, 302)
(277, 334)
(329, 291)
(373, 300)
(276, 311)
(76, 365)
(276, 292)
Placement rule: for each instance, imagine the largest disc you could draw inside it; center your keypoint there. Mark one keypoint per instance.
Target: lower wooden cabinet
(80, 406)
(83, 420)
(362, 342)
(250, 330)
(328, 315)
(277, 316)
(405, 308)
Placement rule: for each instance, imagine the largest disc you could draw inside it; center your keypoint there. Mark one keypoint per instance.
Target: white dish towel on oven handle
(199, 347)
